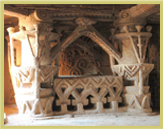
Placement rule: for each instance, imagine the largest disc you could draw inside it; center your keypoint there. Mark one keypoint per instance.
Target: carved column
(33, 75)
(134, 37)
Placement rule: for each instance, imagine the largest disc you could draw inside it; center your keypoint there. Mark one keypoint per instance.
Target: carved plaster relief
(103, 89)
(39, 89)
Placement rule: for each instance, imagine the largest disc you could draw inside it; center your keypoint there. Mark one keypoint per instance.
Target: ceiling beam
(15, 12)
(137, 14)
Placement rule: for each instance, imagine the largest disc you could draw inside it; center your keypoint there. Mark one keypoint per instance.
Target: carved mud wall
(47, 52)
(94, 94)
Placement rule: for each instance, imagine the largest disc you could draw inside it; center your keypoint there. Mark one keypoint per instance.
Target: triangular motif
(63, 89)
(79, 90)
(117, 69)
(99, 89)
(135, 102)
(85, 80)
(110, 80)
(98, 80)
(148, 69)
(71, 82)
(131, 70)
(115, 89)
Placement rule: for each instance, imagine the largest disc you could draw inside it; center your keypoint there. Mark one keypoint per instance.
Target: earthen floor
(117, 119)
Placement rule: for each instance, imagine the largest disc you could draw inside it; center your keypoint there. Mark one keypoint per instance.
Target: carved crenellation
(103, 89)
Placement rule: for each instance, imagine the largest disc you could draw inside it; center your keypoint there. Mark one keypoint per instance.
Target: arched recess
(84, 57)
(93, 34)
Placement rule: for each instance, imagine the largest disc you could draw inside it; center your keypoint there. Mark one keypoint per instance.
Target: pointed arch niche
(85, 31)
(84, 57)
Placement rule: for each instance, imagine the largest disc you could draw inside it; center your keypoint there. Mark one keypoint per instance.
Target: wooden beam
(15, 12)
(144, 10)
(137, 14)
(60, 47)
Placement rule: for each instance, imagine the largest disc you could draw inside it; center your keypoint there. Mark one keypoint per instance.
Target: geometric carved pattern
(76, 60)
(132, 97)
(25, 94)
(131, 70)
(136, 102)
(26, 75)
(102, 89)
(147, 69)
(36, 106)
(47, 72)
(128, 71)
(96, 86)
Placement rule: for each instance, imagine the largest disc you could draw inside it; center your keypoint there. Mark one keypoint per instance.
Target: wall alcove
(84, 57)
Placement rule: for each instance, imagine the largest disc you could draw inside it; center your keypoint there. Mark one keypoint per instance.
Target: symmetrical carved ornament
(137, 41)
(36, 107)
(134, 38)
(25, 81)
(85, 29)
(103, 89)
(30, 77)
(135, 101)
(25, 75)
(35, 81)
(130, 71)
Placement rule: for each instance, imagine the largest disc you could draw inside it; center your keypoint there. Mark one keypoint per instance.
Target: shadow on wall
(154, 58)
(8, 88)
(84, 57)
